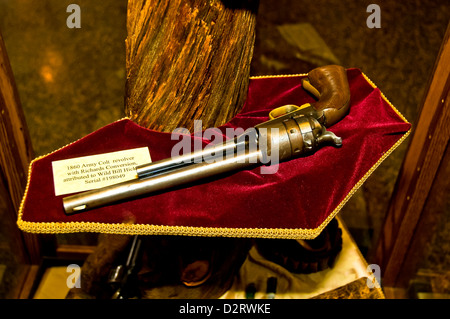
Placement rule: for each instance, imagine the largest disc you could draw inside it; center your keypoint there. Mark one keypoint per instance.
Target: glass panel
(70, 80)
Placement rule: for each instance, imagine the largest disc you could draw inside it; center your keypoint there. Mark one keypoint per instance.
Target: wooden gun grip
(330, 85)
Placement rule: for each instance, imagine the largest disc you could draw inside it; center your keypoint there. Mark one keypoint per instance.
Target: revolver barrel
(206, 155)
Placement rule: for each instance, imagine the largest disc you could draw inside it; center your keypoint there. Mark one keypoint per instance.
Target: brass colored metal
(282, 110)
(292, 134)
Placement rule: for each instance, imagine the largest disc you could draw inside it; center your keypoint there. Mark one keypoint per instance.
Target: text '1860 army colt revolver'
(291, 131)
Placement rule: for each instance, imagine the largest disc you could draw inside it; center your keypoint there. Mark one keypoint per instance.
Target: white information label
(96, 171)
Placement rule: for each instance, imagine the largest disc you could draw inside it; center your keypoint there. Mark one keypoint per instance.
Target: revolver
(291, 130)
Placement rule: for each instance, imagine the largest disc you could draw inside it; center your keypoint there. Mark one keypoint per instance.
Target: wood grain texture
(187, 60)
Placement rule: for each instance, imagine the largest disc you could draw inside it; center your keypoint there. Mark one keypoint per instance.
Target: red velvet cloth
(302, 194)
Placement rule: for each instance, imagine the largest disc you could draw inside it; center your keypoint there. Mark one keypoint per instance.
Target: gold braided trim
(145, 229)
